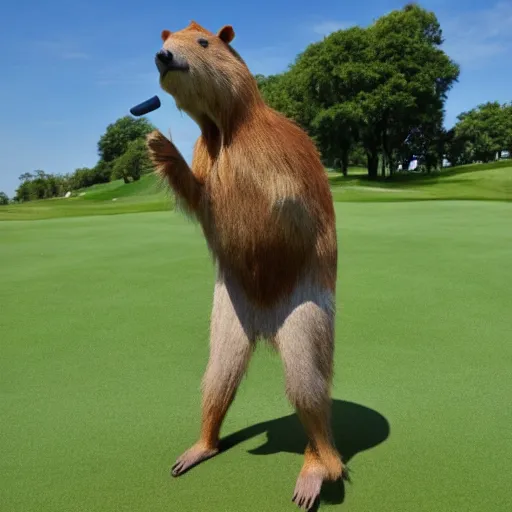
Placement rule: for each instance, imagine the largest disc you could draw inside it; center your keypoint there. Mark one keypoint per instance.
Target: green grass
(471, 182)
(116, 197)
(104, 339)
(475, 182)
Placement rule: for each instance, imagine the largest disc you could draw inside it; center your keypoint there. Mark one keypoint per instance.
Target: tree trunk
(125, 179)
(384, 141)
(391, 162)
(373, 165)
(344, 163)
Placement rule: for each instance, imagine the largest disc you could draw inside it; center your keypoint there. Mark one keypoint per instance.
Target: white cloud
(473, 38)
(324, 28)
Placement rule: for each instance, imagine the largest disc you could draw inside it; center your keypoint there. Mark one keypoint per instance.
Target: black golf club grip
(146, 106)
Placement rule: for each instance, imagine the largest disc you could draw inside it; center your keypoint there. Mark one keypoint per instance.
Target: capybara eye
(203, 42)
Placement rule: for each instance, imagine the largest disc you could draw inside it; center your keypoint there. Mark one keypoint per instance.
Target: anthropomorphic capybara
(259, 190)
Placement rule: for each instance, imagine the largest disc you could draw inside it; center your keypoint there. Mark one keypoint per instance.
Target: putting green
(104, 339)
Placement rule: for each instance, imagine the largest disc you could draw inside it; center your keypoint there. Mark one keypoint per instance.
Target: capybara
(259, 190)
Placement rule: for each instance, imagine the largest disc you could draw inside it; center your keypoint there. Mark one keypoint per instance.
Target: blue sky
(69, 68)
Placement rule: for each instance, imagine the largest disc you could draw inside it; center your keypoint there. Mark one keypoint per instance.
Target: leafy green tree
(114, 142)
(483, 132)
(40, 185)
(102, 172)
(81, 178)
(373, 86)
(414, 77)
(357, 155)
(26, 176)
(133, 163)
(23, 192)
(317, 89)
(507, 114)
(336, 130)
(4, 199)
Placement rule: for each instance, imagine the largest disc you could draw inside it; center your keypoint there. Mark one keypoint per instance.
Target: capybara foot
(193, 456)
(308, 487)
(314, 472)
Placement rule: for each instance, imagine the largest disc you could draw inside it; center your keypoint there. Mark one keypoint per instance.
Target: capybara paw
(193, 456)
(160, 148)
(307, 489)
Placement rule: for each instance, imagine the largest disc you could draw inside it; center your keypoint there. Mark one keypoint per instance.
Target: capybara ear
(226, 33)
(165, 35)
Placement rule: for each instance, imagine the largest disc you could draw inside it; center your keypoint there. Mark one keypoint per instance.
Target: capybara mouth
(167, 61)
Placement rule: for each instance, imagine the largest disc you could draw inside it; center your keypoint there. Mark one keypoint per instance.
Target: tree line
(375, 96)
(122, 155)
(371, 97)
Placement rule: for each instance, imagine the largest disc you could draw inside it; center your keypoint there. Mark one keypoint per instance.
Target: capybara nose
(164, 56)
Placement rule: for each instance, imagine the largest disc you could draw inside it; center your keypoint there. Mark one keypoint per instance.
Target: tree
(86, 177)
(317, 89)
(133, 162)
(4, 199)
(82, 178)
(40, 185)
(357, 155)
(336, 130)
(102, 172)
(26, 176)
(507, 114)
(483, 132)
(373, 86)
(414, 77)
(114, 142)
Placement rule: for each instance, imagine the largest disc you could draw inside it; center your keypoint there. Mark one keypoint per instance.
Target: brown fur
(261, 195)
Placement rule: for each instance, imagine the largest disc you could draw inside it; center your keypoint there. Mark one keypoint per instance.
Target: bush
(41, 186)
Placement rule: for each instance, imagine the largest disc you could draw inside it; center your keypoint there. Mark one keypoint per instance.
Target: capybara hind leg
(230, 351)
(306, 345)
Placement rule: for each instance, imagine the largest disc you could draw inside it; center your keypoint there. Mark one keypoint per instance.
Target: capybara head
(203, 73)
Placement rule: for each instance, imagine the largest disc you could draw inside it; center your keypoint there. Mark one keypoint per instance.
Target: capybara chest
(257, 246)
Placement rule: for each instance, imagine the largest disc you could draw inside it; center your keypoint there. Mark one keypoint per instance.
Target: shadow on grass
(355, 427)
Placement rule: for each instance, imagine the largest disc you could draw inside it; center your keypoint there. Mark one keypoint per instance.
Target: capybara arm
(171, 165)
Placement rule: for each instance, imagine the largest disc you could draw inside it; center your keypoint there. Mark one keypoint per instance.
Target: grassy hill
(472, 182)
(116, 197)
